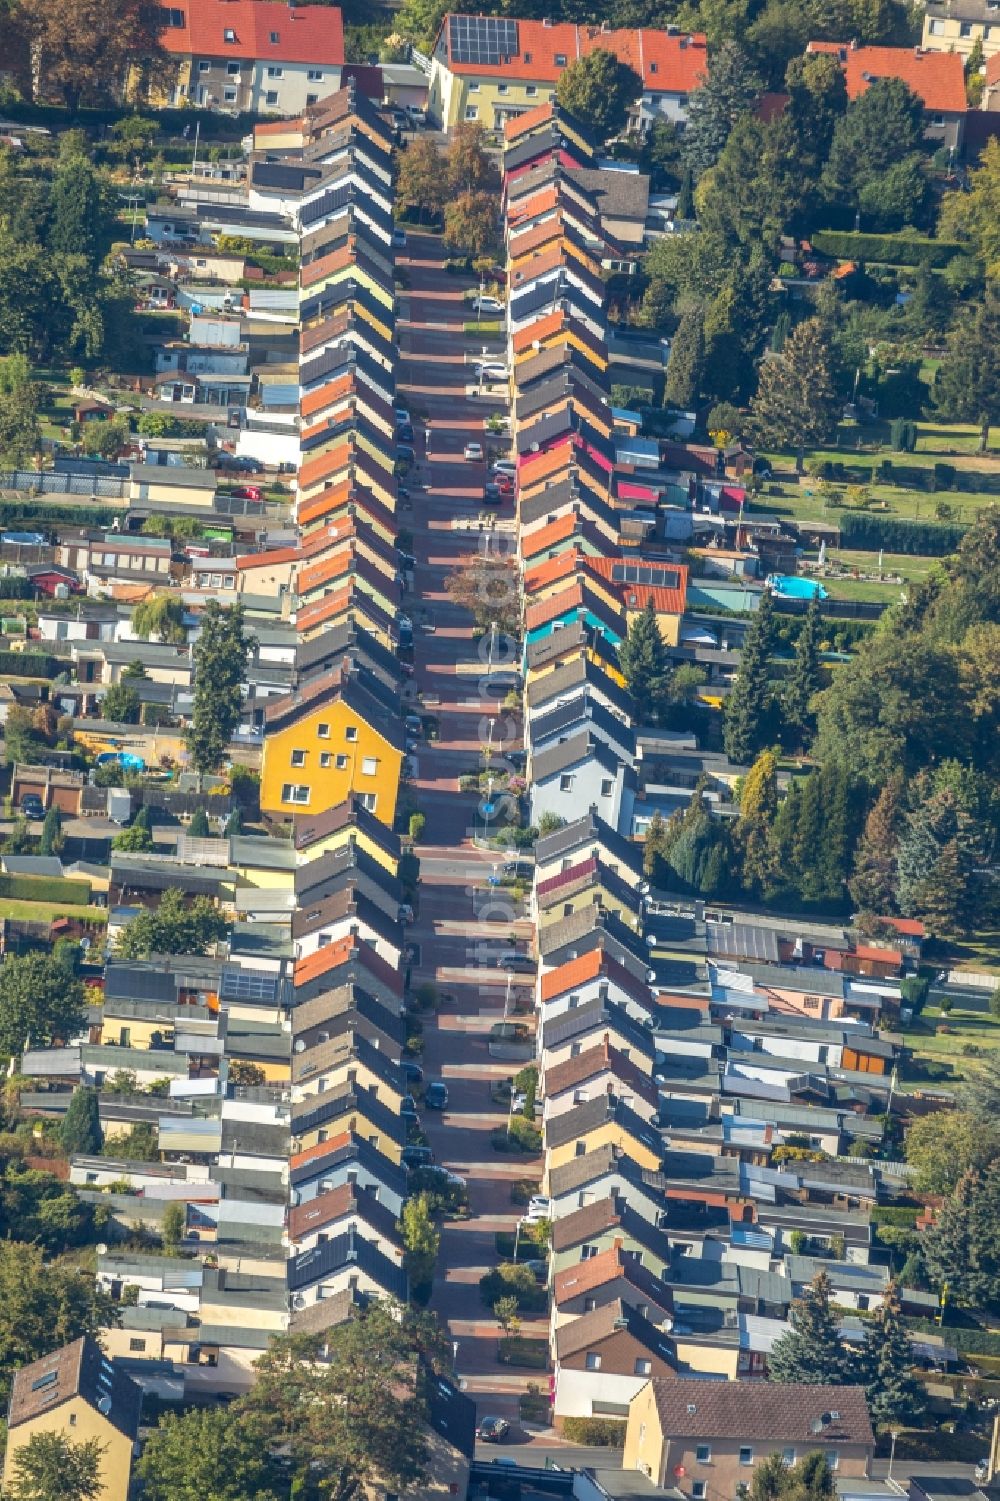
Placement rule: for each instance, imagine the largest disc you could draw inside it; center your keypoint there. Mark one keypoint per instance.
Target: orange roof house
(937, 78)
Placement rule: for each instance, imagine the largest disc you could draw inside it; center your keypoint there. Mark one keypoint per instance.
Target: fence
(48, 482)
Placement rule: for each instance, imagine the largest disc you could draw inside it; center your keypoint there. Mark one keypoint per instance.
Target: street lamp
(892, 1454)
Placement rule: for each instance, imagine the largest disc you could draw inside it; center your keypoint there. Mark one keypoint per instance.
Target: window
(311, 98)
(137, 1344)
(587, 1251)
(274, 39)
(229, 95)
(473, 88)
(938, 122)
(566, 782)
(593, 1361)
(589, 1304)
(527, 57)
(936, 28)
(833, 1459)
(471, 112)
(171, 17)
(298, 758)
(788, 1457)
(271, 97)
(203, 66)
(369, 766)
(233, 69)
(581, 1149)
(502, 88)
(325, 760)
(275, 72)
(351, 733)
(698, 1490)
(531, 90)
(746, 1455)
(315, 75)
(652, 67)
(703, 1454)
(367, 800)
(342, 763)
(323, 731)
(560, 59)
(643, 1368)
(965, 29)
(292, 792)
(229, 35)
(607, 787)
(72, 1416)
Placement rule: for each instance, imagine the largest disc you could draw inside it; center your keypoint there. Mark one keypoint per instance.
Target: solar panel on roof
(248, 984)
(644, 573)
(482, 40)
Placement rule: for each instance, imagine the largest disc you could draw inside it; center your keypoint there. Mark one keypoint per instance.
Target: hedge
(45, 889)
(895, 250)
(46, 511)
(965, 1341)
(889, 1214)
(21, 664)
(608, 1433)
(866, 533)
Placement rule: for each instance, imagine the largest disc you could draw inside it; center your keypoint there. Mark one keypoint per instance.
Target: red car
(248, 492)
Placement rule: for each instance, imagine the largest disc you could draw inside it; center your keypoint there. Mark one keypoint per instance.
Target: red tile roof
(310, 34)
(937, 78)
(516, 127)
(667, 64)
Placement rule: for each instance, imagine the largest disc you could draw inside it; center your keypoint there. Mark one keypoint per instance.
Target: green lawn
(943, 1057)
(49, 911)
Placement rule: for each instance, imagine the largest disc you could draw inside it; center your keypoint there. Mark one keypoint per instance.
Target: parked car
(539, 1208)
(241, 462)
(405, 454)
(414, 1157)
(520, 870)
(418, 116)
(399, 238)
(248, 492)
(517, 964)
(474, 452)
(492, 375)
(436, 1095)
(408, 1110)
(412, 1073)
(492, 1430)
(413, 724)
(404, 433)
(504, 466)
(407, 561)
(486, 304)
(32, 805)
(402, 417)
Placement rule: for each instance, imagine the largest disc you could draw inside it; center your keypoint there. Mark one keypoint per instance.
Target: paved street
(461, 918)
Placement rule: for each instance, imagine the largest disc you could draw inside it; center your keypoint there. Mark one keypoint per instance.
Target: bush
(417, 824)
(524, 1136)
(607, 1433)
(903, 435)
(515, 1280)
(866, 533)
(516, 1350)
(894, 249)
(966, 1341)
(913, 992)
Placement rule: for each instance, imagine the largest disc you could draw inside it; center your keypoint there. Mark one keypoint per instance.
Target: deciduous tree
(421, 1241)
(207, 1454)
(121, 704)
(41, 1001)
(599, 90)
(975, 215)
(174, 927)
(44, 1305)
(967, 385)
(162, 616)
(873, 882)
(85, 50)
(50, 1467)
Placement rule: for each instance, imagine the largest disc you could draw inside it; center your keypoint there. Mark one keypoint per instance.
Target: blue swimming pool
(795, 588)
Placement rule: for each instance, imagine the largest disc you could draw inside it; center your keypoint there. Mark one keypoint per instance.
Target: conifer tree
(748, 714)
(643, 660)
(803, 680)
(796, 404)
(892, 1392)
(758, 807)
(808, 836)
(833, 854)
(811, 1350)
(80, 1127)
(962, 1247)
(687, 360)
(873, 882)
(653, 847)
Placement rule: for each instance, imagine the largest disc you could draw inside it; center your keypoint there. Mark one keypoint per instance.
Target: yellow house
(324, 1117)
(329, 741)
(597, 1123)
(78, 1393)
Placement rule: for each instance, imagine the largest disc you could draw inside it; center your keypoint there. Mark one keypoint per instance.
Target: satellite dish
(816, 1426)
(102, 1249)
(104, 1405)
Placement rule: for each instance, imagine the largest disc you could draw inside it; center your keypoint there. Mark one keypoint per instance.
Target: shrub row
(609, 1433)
(20, 664)
(966, 1341)
(867, 533)
(895, 250)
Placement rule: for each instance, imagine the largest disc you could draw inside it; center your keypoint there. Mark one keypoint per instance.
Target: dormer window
(275, 39)
(229, 35)
(560, 59)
